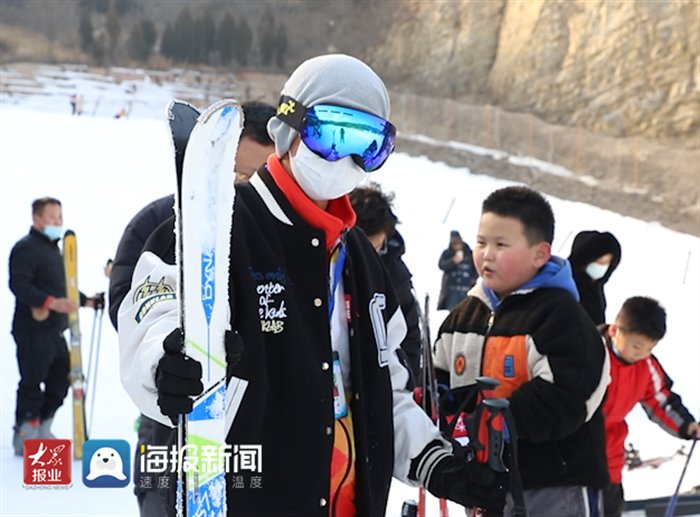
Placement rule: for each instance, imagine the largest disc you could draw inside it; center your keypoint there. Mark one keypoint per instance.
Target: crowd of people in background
(535, 322)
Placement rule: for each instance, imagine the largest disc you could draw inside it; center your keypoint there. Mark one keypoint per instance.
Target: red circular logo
(460, 364)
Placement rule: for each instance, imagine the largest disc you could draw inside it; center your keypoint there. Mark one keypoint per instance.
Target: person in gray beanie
(325, 388)
(333, 79)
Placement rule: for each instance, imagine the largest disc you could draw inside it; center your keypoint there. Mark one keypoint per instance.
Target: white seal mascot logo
(106, 462)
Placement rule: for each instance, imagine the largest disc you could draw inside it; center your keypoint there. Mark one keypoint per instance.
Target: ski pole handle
(486, 384)
(99, 301)
(409, 509)
(491, 434)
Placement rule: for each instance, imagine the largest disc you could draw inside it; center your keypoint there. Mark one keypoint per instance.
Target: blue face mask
(53, 232)
(596, 271)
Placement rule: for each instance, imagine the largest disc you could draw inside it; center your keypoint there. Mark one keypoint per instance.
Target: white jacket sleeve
(146, 316)
(413, 430)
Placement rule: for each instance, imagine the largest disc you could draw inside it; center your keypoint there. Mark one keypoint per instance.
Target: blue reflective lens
(334, 132)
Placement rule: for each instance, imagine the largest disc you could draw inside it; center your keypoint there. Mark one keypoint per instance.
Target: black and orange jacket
(553, 367)
(645, 382)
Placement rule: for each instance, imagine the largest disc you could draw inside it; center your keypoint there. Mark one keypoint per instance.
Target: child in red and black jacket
(637, 376)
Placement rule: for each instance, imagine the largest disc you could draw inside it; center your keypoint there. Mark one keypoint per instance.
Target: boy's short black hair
(39, 204)
(373, 209)
(255, 117)
(527, 206)
(642, 315)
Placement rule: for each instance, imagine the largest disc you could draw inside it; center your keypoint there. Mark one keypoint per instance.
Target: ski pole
(92, 375)
(485, 430)
(674, 499)
(490, 427)
(92, 340)
(430, 396)
(99, 304)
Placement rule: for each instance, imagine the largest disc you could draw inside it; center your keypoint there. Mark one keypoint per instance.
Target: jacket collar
(337, 217)
(42, 235)
(555, 273)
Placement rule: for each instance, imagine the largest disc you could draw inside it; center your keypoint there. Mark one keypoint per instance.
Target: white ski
(204, 208)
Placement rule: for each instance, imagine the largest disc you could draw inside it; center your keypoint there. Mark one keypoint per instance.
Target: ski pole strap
(337, 263)
(483, 384)
(450, 429)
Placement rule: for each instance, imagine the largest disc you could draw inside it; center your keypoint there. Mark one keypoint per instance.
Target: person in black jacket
(377, 219)
(594, 257)
(38, 281)
(313, 315)
(459, 273)
(254, 147)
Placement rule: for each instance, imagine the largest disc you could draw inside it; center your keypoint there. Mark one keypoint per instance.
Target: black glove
(234, 348)
(469, 483)
(99, 301)
(178, 378)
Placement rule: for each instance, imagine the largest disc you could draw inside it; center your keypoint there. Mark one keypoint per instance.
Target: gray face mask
(322, 180)
(53, 232)
(596, 271)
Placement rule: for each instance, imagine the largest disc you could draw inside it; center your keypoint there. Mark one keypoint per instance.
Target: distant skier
(637, 376)
(38, 281)
(78, 104)
(306, 284)
(459, 272)
(594, 258)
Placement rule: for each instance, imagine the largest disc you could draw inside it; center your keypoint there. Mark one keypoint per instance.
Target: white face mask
(322, 180)
(596, 271)
(53, 232)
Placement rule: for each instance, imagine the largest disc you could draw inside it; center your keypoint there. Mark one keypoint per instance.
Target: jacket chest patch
(460, 364)
(271, 290)
(505, 359)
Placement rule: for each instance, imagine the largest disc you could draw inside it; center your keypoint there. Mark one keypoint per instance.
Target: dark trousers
(42, 358)
(614, 500)
(155, 493)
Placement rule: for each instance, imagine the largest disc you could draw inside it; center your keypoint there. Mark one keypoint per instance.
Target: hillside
(608, 90)
(623, 69)
(618, 68)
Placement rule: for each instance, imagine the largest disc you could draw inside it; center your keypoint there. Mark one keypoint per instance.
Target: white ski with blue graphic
(204, 225)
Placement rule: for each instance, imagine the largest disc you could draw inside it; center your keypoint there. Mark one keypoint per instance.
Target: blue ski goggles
(334, 132)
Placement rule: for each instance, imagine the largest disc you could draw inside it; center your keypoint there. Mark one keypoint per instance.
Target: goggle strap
(291, 112)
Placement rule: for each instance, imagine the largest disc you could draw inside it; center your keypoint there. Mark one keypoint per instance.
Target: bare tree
(113, 27)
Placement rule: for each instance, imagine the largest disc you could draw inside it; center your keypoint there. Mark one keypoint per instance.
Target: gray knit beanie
(330, 79)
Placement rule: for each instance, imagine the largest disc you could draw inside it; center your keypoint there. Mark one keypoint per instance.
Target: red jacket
(644, 381)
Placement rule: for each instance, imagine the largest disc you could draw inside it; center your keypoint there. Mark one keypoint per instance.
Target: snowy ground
(104, 170)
